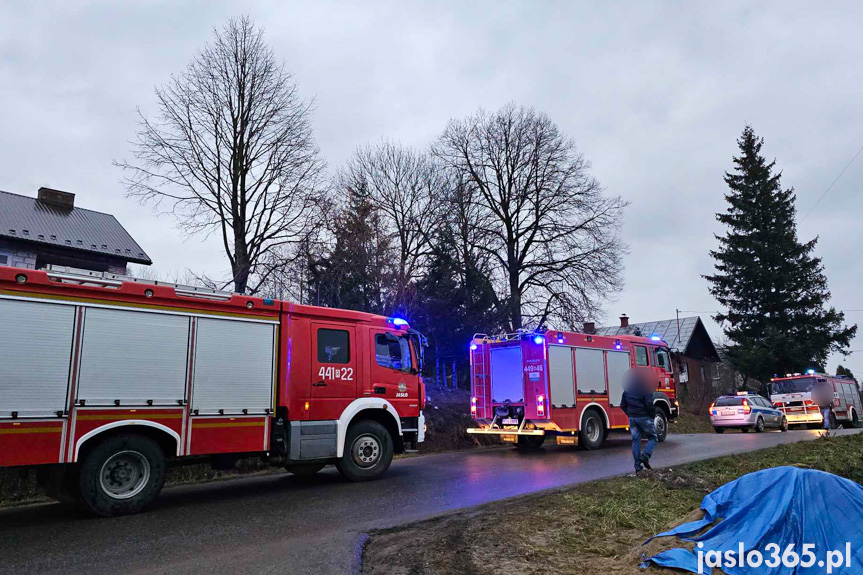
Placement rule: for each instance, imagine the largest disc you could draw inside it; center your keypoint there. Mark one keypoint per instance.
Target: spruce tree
(772, 287)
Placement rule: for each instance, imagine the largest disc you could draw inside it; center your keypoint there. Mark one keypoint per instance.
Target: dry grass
(689, 423)
(592, 528)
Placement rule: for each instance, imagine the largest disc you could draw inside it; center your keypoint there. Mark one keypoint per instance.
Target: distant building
(50, 230)
(697, 362)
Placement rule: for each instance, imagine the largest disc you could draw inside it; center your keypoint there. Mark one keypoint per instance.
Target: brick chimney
(589, 327)
(56, 198)
(624, 321)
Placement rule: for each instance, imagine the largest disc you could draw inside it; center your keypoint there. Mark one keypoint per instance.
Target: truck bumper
(421, 428)
(498, 431)
(804, 418)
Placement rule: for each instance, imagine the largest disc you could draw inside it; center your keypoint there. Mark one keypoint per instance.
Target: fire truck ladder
(83, 277)
(480, 373)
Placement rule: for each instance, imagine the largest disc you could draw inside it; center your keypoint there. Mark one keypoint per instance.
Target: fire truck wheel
(529, 442)
(592, 430)
(121, 475)
(759, 425)
(368, 452)
(660, 424)
(305, 469)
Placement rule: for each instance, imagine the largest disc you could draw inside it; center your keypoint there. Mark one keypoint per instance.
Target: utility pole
(677, 311)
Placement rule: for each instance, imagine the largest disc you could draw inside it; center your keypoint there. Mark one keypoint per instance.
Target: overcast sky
(655, 95)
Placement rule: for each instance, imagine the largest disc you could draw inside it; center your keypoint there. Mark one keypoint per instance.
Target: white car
(745, 412)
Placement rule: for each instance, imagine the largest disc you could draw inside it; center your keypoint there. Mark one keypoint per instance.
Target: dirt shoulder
(591, 528)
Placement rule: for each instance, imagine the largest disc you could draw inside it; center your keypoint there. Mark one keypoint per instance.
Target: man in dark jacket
(637, 403)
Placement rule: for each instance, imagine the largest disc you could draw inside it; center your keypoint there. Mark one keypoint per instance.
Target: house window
(5, 259)
(684, 372)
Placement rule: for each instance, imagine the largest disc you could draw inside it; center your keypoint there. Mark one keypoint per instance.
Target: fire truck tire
(592, 431)
(121, 475)
(368, 452)
(305, 469)
(530, 442)
(660, 424)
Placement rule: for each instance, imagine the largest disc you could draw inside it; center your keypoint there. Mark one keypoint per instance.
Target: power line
(831, 185)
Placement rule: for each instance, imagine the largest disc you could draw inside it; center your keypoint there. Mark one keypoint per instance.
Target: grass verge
(689, 423)
(595, 527)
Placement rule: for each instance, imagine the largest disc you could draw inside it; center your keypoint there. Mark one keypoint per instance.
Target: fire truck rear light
(21, 278)
(473, 405)
(540, 405)
(306, 406)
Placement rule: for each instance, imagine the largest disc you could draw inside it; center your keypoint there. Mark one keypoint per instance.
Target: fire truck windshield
(803, 385)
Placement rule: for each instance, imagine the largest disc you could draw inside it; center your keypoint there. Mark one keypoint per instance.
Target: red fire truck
(105, 380)
(792, 394)
(526, 386)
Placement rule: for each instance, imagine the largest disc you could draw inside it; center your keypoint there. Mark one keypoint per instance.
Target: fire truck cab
(105, 380)
(792, 395)
(529, 385)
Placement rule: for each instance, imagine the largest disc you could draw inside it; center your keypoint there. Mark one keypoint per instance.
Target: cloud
(654, 94)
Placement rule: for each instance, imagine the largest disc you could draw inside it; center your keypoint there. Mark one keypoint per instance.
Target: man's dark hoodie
(637, 400)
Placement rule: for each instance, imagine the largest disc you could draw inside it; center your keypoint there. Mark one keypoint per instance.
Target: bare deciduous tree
(407, 189)
(541, 217)
(231, 152)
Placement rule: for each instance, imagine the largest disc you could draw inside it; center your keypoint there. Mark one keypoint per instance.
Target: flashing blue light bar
(538, 339)
(655, 338)
(810, 371)
(473, 347)
(397, 321)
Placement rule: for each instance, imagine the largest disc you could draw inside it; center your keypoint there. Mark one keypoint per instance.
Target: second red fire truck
(105, 380)
(527, 386)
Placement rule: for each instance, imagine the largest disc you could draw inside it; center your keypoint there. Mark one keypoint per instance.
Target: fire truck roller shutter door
(35, 351)
(561, 379)
(618, 364)
(133, 357)
(233, 367)
(590, 371)
(507, 376)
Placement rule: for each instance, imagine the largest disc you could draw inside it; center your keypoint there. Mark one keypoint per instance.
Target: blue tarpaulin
(782, 506)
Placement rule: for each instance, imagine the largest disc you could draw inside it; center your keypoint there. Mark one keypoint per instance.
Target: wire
(831, 185)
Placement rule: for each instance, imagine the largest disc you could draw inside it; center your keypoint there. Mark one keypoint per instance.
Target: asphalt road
(284, 524)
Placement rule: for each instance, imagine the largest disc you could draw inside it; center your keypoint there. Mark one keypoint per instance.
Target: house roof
(687, 335)
(27, 219)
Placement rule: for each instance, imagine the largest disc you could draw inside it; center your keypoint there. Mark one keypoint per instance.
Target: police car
(745, 411)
